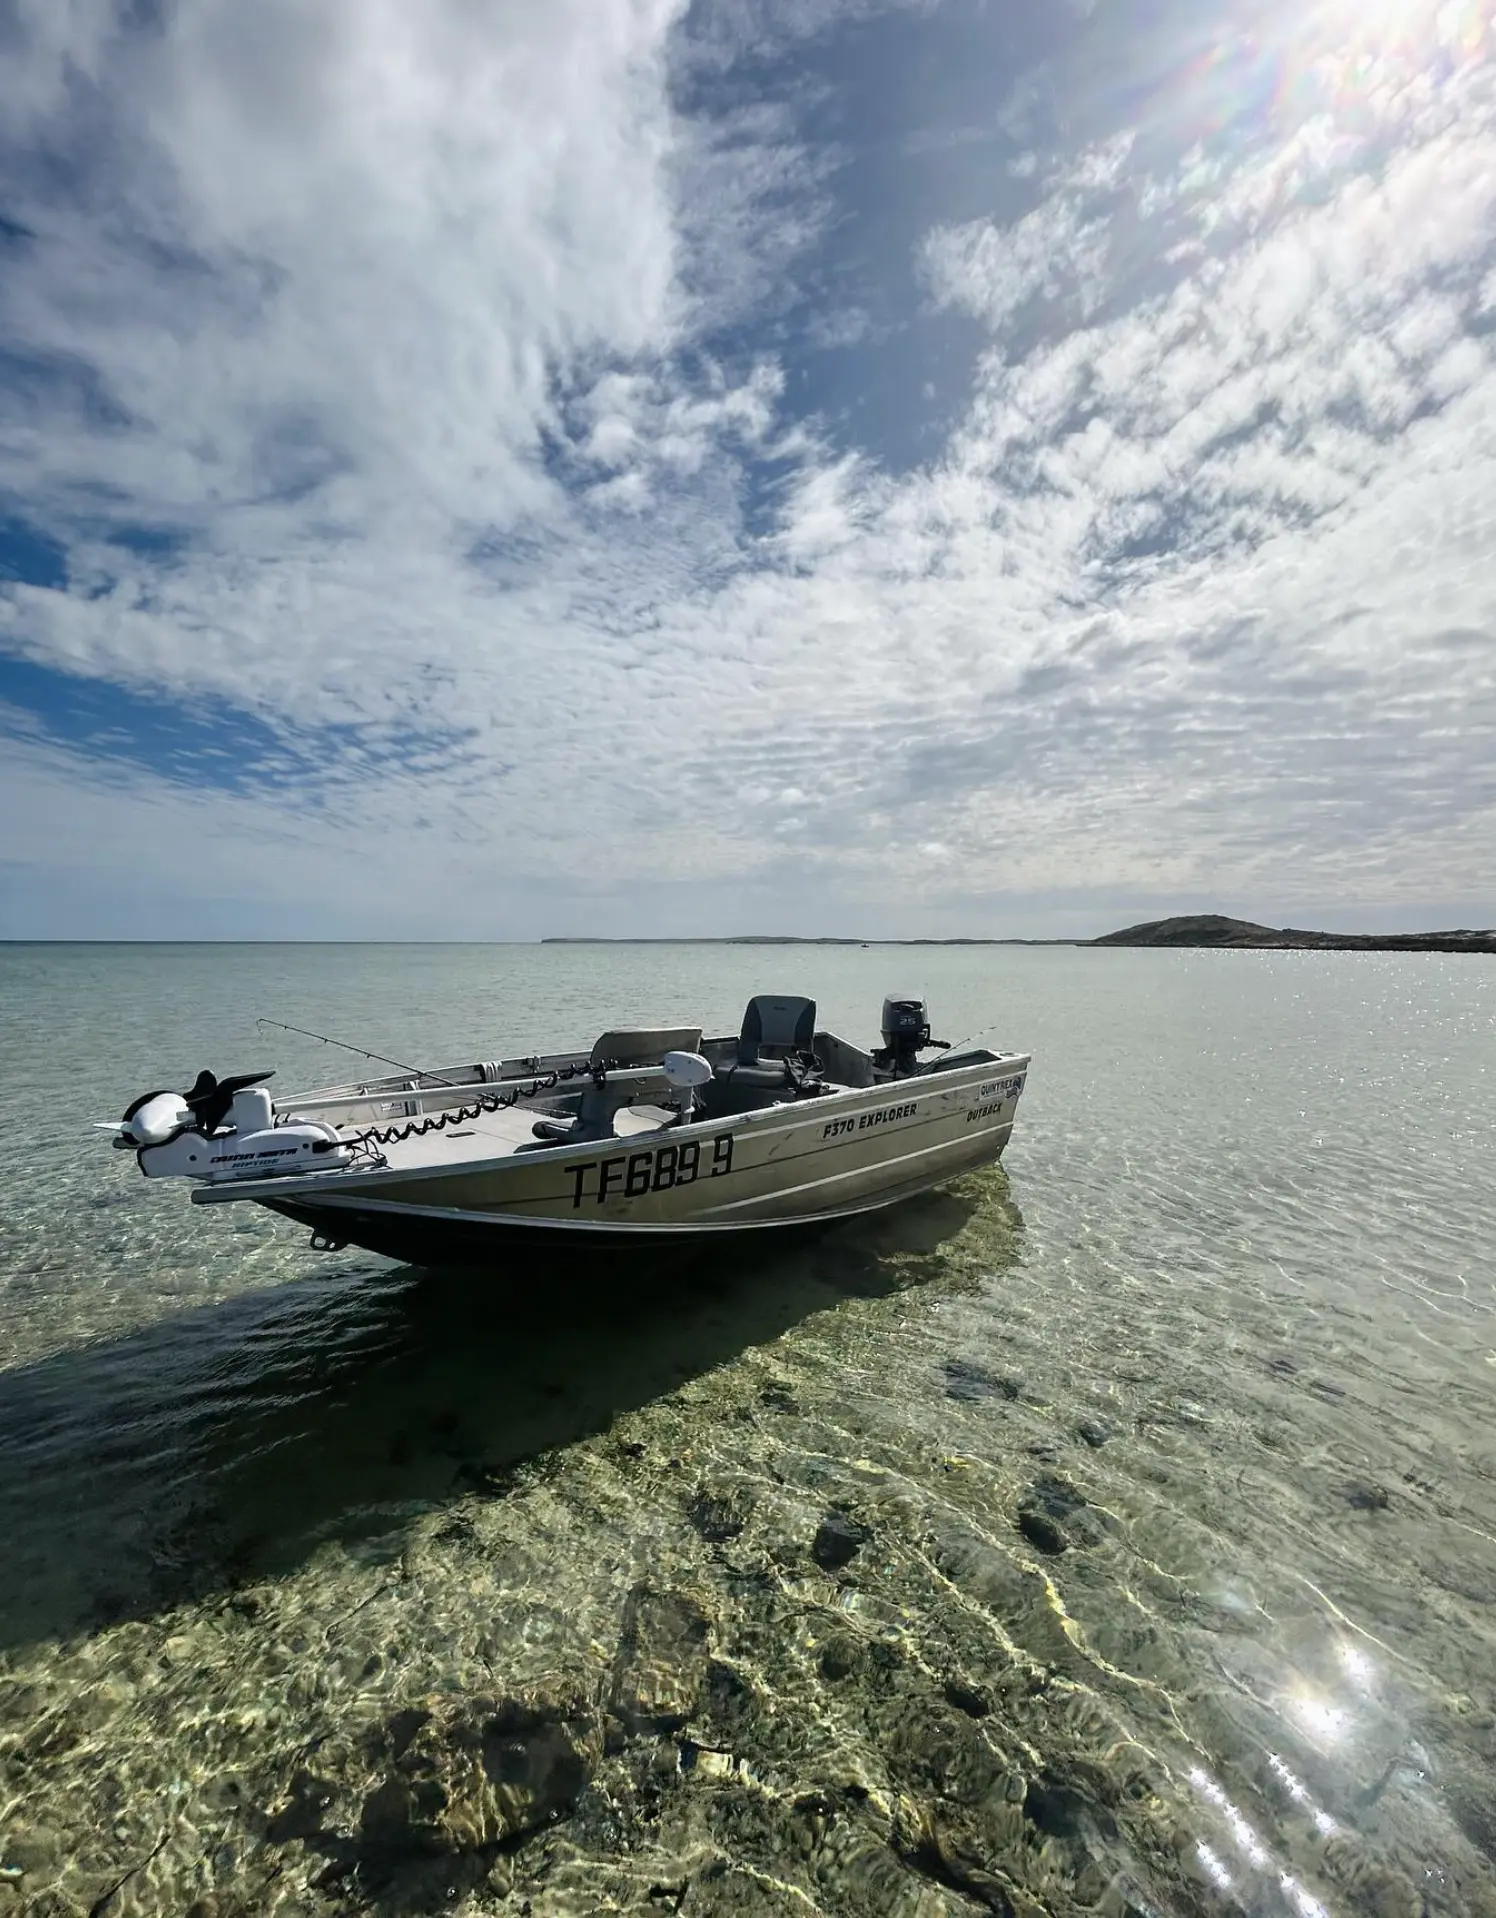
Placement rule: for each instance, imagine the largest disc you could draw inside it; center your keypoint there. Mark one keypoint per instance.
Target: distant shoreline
(1205, 932)
(787, 939)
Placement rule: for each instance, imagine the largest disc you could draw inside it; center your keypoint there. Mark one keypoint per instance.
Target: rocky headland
(1211, 929)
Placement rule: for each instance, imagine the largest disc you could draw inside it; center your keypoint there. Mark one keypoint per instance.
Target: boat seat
(775, 1031)
(775, 1028)
(599, 1106)
(644, 1045)
(738, 1089)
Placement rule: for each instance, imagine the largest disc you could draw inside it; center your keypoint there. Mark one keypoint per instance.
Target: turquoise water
(1115, 1532)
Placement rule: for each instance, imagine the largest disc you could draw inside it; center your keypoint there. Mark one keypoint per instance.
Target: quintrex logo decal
(994, 1098)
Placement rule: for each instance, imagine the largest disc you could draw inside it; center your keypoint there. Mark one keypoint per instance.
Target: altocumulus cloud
(485, 468)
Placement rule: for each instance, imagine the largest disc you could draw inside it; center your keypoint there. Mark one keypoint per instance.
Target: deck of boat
(498, 1135)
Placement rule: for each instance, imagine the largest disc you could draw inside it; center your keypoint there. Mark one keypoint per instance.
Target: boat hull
(436, 1236)
(791, 1167)
(488, 1243)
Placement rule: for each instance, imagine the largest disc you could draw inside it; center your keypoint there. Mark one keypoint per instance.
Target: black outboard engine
(906, 1029)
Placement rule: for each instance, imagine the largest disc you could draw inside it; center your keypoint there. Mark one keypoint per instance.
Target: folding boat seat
(600, 1104)
(775, 1032)
(776, 1029)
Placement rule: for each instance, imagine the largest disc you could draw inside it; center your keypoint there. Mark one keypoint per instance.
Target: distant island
(1210, 930)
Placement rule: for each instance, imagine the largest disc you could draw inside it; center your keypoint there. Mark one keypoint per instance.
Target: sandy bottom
(879, 1580)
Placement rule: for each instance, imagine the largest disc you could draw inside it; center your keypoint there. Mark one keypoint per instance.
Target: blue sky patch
(30, 557)
(209, 743)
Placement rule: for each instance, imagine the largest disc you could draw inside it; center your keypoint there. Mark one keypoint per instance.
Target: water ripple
(1114, 1535)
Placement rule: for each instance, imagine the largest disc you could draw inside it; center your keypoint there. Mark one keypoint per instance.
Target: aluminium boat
(655, 1137)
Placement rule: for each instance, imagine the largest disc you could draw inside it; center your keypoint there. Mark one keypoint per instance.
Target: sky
(895, 468)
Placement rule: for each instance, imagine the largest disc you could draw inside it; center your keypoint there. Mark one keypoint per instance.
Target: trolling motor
(224, 1129)
(687, 1074)
(906, 1033)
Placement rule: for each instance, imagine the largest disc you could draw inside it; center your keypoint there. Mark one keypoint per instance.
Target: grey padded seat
(775, 1028)
(774, 1031)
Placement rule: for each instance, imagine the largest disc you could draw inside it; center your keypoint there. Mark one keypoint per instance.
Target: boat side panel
(490, 1240)
(800, 1160)
(436, 1236)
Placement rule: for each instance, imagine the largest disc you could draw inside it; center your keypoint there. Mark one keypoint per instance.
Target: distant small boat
(654, 1138)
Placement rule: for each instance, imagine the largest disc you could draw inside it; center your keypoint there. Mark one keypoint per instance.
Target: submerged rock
(838, 1540)
(840, 1656)
(964, 1380)
(720, 1512)
(1042, 1533)
(989, 1575)
(479, 1773)
(1055, 1495)
(663, 1651)
(966, 1698)
(730, 1707)
(30, 1851)
(723, 1890)
(1053, 1516)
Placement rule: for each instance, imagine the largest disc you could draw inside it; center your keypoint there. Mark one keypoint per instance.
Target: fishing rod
(362, 1052)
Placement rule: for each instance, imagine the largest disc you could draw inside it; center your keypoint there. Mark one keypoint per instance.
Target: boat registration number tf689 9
(629, 1175)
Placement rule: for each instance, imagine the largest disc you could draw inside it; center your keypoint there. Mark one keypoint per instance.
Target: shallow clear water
(1115, 1532)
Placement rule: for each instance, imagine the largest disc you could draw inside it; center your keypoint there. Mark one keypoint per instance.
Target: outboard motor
(906, 1032)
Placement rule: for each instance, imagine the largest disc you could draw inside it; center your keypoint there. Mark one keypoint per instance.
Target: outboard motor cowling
(906, 1030)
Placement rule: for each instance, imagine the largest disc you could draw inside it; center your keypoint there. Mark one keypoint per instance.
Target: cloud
(410, 398)
(342, 248)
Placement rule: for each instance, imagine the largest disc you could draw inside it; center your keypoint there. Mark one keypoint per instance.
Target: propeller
(210, 1098)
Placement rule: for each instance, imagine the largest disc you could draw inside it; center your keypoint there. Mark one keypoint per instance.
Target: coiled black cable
(497, 1102)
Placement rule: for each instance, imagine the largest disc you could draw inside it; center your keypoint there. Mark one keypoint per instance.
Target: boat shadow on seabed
(225, 1444)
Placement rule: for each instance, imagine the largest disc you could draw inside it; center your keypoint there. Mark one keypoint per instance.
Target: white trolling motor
(225, 1129)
